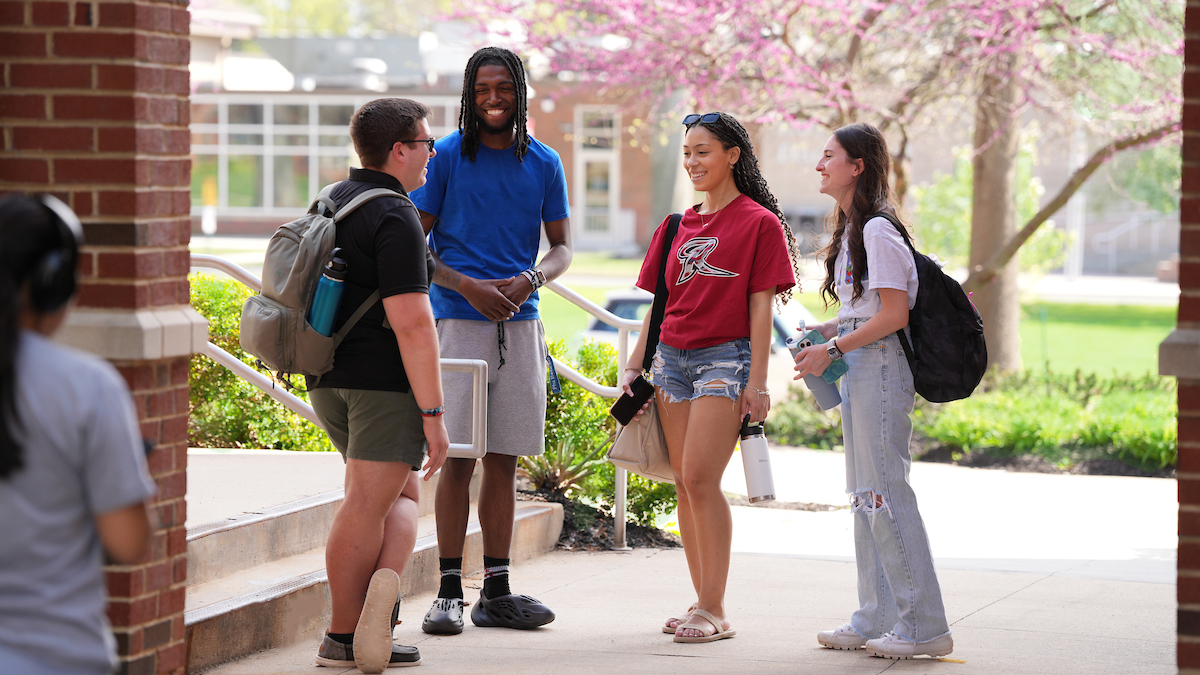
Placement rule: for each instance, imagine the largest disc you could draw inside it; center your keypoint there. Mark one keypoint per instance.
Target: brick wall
(94, 108)
(1189, 389)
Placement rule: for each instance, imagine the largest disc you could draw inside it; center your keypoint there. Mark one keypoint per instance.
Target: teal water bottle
(328, 296)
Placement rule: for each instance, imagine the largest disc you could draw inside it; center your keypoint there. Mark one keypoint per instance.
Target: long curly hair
(750, 182)
(468, 120)
(872, 194)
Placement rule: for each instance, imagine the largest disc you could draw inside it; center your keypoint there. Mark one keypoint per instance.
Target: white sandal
(669, 629)
(717, 633)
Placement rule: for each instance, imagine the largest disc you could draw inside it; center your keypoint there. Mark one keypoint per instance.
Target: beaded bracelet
(433, 412)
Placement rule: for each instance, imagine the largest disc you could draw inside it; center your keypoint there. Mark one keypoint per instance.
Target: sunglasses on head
(706, 118)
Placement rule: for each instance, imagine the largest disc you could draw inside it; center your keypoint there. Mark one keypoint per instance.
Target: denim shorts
(687, 374)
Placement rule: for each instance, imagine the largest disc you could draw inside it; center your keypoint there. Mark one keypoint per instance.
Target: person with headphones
(73, 477)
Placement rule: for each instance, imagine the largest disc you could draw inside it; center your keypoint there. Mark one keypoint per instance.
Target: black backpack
(948, 355)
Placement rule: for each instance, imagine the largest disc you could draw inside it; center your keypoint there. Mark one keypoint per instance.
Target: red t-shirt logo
(693, 257)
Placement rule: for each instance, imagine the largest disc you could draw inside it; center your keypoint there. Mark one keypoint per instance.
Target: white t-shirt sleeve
(889, 260)
(114, 471)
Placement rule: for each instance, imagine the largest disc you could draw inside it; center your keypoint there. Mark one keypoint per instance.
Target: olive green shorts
(378, 426)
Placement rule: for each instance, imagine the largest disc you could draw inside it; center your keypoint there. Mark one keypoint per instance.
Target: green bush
(227, 411)
(1064, 418)
(579, 431)
(576, 415)
(645, 499)
(798, 421)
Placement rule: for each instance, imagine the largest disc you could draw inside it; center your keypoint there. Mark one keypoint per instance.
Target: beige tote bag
(640, 447)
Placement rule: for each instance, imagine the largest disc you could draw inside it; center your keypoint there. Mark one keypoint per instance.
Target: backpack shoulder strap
(324, 201)
(358, 314)
(660, 293)
(359, 200)
(363, 198)
(895, 223)
(908, 350)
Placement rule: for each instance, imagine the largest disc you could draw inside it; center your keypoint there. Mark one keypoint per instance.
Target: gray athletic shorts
(378, 426)
(516, 391)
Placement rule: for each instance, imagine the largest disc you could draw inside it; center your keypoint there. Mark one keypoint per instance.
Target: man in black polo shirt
(382, 403)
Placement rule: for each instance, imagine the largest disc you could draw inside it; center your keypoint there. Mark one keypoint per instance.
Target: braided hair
(468, 120)
(872, 194)
(750, 182)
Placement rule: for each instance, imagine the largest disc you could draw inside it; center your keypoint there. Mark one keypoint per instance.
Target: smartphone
(627, 406)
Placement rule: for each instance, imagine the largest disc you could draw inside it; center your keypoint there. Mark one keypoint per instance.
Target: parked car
(633, 303)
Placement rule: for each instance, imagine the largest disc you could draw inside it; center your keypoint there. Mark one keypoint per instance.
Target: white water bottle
(756, 461)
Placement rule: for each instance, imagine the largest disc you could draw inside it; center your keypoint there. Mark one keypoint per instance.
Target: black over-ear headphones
(52, 282)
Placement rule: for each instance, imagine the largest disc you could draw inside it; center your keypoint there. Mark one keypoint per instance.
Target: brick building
(95, 110)
(1180, 356)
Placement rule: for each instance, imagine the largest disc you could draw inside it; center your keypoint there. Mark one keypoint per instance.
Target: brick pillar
(94, 109)
(1179, 356)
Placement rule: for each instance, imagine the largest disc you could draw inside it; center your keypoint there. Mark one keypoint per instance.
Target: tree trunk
(993, 218)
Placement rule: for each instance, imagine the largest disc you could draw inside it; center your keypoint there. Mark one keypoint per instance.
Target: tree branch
(1076, 19)
(863, 25)
(982, 274)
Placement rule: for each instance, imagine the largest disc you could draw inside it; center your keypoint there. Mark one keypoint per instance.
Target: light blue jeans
(898, 589)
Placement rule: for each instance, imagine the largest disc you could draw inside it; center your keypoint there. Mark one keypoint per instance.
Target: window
(597, 174)
(269, 155)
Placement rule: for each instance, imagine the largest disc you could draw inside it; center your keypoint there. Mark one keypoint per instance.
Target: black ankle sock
(495, 577)
(451, 578)
(344, 638)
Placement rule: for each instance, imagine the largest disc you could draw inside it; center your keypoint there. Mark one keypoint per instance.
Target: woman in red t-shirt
(732, 255)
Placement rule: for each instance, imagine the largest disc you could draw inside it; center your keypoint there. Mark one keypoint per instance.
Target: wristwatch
(832, 350)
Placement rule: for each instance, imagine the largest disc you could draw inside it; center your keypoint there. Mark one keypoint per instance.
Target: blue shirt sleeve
(554, 205)
(429, 197)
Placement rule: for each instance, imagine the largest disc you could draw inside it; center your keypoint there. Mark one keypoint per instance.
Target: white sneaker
(842, 637)
(892, 646)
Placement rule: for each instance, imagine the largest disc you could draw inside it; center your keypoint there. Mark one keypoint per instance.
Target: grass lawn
(1100, 339)
(562, 319)
(593, 264)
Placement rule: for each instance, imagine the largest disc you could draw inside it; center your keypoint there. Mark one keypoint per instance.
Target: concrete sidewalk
(610, 605)
(1040, 574)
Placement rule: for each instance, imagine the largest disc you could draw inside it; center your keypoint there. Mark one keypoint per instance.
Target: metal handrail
(479, 427)
(623, 326)
(232, 269)
(1106, 242)
(477, 368)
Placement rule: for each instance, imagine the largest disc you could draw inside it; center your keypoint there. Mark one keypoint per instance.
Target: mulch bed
(586, 529)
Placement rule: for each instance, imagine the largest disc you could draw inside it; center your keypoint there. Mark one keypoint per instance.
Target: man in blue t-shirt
(490, 192)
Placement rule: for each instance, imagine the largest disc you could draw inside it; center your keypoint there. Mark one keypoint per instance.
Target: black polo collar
(378, 177)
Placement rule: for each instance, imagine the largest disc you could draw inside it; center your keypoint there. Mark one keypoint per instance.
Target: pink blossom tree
(1112, 67)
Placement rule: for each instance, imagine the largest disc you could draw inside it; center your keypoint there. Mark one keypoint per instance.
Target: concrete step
(285, 599)
(219, 549)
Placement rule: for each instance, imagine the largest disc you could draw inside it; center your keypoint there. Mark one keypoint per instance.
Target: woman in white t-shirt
(73, 479)
(869, 271)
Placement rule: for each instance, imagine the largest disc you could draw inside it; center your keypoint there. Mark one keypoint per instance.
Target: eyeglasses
(706, 118)
(427, 141)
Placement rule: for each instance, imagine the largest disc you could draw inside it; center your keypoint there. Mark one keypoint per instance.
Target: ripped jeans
(898, 589)
(687, 374)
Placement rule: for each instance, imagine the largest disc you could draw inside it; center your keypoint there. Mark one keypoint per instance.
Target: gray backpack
(274, 324)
